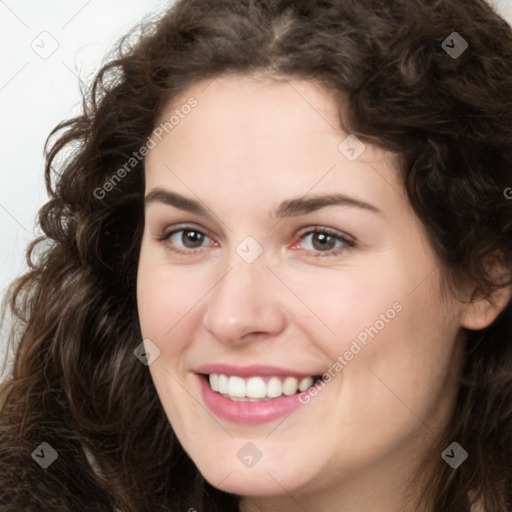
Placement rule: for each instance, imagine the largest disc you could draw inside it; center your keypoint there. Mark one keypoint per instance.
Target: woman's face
(275, 249)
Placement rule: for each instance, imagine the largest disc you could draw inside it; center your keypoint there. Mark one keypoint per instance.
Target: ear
(481, 312)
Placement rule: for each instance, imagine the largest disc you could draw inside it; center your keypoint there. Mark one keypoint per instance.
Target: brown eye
(185, 240)
(323, 242)
(191, 239)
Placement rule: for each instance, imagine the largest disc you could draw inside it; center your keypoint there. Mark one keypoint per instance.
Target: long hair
(75, 382)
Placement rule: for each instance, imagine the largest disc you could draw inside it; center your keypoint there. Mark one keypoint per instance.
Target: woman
(277, 271)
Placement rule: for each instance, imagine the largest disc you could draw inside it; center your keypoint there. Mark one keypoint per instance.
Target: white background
(36, 93)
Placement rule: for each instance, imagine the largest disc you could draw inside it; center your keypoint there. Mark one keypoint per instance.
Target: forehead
(249, 132)
(277, 111)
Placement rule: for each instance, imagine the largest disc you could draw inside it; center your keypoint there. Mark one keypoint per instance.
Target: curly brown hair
(75, 382)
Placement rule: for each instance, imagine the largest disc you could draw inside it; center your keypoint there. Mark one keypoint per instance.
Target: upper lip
(251, 370)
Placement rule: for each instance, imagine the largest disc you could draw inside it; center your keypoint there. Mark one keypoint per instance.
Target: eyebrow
(288, 208)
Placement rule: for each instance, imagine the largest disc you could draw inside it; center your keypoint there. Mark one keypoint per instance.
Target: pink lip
(247, 412)
(250, 371)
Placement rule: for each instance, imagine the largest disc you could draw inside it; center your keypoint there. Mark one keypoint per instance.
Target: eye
(325, 242)
(185, 240)
(320, 241)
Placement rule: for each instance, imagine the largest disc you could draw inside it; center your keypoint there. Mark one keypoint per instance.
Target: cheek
(168, 302)
(404, 374)
(164, 312)
(389, 336)
(340, 305)
(390, 306)
(166, 297)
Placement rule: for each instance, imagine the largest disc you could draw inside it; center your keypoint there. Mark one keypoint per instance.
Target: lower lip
(247, 412)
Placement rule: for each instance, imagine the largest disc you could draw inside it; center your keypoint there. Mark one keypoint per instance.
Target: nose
(246, 304)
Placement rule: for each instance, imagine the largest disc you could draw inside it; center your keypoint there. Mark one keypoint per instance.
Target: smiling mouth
(258, 388)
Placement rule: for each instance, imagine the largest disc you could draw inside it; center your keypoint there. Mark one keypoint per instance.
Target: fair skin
(249, 145)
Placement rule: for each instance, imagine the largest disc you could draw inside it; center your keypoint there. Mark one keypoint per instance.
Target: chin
(267, 477)
(251, 482)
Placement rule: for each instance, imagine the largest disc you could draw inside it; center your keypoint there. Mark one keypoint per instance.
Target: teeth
(236, 387)
(290, 385)
(274, 387)
(255, 389)
(305, 383)
(214, 381)
(223, 384)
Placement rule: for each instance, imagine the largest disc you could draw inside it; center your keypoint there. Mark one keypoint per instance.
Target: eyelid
(324, 229)
(168, 231)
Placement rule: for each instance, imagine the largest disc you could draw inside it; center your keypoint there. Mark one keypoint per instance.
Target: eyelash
(346, 241)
